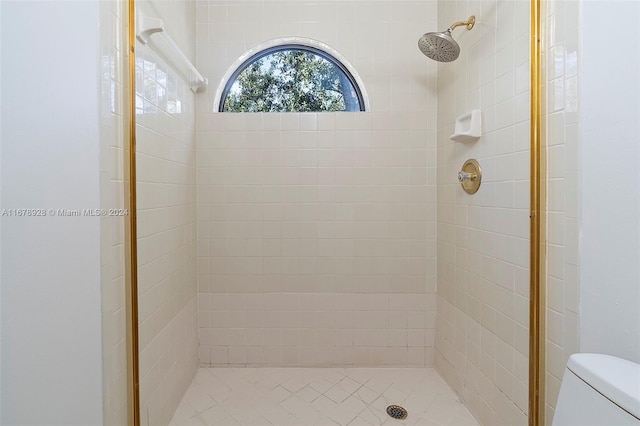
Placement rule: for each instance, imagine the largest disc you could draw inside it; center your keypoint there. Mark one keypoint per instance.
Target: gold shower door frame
(131, 227)
(537, 225)
(537, 268)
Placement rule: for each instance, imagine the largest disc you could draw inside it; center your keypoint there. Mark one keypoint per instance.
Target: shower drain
(397, 412)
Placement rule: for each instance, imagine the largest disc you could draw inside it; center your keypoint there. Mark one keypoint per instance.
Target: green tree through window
(291, 79)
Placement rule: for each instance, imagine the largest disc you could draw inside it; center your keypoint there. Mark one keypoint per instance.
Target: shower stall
(334, 240)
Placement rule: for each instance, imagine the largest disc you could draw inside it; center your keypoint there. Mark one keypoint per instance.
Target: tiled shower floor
(319, 396)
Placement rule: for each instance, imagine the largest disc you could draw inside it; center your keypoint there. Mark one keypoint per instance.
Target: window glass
(291, 79)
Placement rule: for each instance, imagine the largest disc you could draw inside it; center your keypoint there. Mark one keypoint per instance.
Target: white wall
(482, 333)
(610, 135)
(112, 80)
(593, 232)
(563, 193)
(166, 180)
(316, 231)
(51, 325)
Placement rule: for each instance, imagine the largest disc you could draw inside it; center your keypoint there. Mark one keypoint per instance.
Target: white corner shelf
(468, 127)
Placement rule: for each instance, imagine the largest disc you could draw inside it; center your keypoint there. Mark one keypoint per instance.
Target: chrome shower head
(441, 46)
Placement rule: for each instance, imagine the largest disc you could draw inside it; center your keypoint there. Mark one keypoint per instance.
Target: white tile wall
(316, 232)
(563, 269)
(112, 227)
(178, 17)
(483, 250)
(166, 177)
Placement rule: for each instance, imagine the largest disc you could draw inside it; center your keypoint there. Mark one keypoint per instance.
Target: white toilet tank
(599, 390)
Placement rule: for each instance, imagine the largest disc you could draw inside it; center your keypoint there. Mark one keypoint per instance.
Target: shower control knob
(470, 176)
(464, 176)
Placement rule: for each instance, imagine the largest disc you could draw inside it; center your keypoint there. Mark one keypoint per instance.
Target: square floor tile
(319, 397)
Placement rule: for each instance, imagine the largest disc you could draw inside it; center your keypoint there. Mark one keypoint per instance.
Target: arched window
(291, 78)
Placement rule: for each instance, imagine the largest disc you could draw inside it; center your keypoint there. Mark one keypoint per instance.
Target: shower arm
(469, 23)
